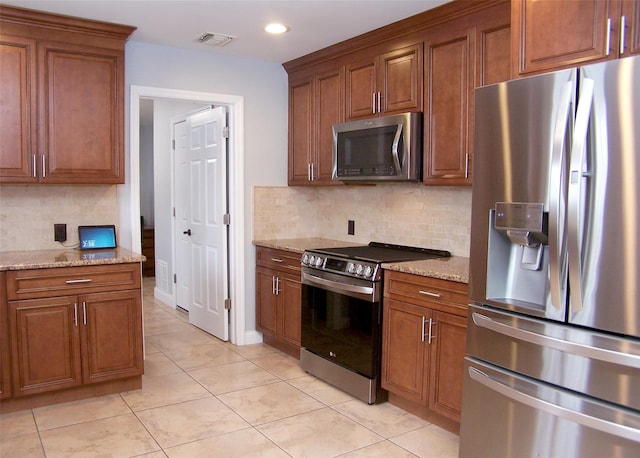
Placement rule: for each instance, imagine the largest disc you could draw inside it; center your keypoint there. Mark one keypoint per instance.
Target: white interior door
(201, 232)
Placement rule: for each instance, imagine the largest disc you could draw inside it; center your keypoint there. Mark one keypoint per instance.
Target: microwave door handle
(394, 148)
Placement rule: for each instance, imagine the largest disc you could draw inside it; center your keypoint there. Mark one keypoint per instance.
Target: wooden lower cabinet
(279, 299)
(423, 346)
(73, 340)
(5, 376)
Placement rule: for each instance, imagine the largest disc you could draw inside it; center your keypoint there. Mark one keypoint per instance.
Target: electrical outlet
(351, 227)
(60, 232)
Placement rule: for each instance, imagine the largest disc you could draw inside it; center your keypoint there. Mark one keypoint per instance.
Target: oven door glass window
(342, 329)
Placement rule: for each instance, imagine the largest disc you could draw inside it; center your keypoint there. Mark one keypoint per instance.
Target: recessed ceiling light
(277, 28)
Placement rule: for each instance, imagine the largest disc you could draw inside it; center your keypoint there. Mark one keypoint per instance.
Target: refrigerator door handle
(586, 351)
(562, 412)
(557, 199)
(575, 200)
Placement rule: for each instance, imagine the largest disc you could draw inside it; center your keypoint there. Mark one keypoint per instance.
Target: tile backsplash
(406, 214)
(28, 213)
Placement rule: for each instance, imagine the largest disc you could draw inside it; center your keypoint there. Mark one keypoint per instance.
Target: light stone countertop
(71, 257)
(455, 268)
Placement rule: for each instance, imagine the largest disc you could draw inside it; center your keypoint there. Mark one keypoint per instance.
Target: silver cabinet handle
(75, 314)
(607, 43)
(373, 103)
(623, 26)
(466, 166)
(34, 171)
(431, 335)
(586, 351)
(575, 200)
(429, 293)
(557, 240)
(424, 321)
(379, 104)
(273, 285)
(84, 313)
(562, 412)
(308, 171)
(276, 260)
(83, 280)
(44, 166)
(313, 172)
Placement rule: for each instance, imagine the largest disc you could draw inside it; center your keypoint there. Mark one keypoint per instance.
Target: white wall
(264, 88)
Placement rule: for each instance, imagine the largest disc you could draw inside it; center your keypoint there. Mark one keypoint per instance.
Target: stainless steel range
(342, 313)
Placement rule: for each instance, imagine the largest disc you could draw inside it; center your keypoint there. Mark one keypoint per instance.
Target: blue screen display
(94, 237)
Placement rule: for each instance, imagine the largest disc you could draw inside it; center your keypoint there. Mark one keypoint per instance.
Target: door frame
(131, 221)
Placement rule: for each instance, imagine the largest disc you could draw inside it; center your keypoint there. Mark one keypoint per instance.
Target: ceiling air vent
(214, 39)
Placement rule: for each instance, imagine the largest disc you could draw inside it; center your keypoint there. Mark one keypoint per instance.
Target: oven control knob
(312, 260)
(359, 269)
(368, 271)
(351, 268)
(305, 259)
(318, 261)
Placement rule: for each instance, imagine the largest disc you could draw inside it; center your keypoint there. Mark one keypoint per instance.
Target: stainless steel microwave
(388, 148)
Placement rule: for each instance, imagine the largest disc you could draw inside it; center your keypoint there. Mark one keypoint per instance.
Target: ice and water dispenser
(518, 255)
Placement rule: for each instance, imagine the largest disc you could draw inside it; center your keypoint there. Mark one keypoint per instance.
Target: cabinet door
(447, 354)
(329, 110)
(81, 114)
(5, 375)
(300, 130)
(111, 335)
(17, 110)
(405, 355)
(631, 32)
(548, 35)
(493, 47)
(290, 295)
(266, 301)
(449, 79)
(401, 80)
(45, 345)
(361, 84)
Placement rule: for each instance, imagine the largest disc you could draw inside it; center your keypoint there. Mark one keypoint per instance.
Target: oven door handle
(336, 287)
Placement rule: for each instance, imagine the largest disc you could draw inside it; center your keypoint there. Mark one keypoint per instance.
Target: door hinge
(227, 304)
(173, 144)
(226, 219)
(225, 131)
(175, 278)
(174, 212)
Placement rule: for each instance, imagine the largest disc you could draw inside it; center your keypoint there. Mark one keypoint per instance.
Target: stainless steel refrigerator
(553, 342)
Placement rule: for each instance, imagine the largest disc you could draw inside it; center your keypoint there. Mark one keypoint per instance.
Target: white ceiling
(315, 24)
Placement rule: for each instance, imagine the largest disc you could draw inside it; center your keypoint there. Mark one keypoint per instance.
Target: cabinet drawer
(282, 260)
(40, 283)
(432, 292)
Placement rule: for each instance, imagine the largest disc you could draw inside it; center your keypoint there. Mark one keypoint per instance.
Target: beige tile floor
(205, 398)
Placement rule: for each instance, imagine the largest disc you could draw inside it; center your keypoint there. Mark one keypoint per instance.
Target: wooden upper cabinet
(81, 114)
(316, 103)
(548, 35)
(385, 84)
(631, 34)
(62, 99)
(449, 82)
(300, 134)
(18, 109)
(493, 47)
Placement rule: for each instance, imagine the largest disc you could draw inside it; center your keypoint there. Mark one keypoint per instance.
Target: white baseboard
(164, 297)
(252, 337)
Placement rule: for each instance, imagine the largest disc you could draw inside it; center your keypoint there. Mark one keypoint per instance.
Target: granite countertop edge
(455, 268)
(71, 257)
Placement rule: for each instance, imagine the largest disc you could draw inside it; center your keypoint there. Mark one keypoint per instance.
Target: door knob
(188, 232)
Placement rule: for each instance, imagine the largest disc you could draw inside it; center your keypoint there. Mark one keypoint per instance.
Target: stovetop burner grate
(384, 252)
